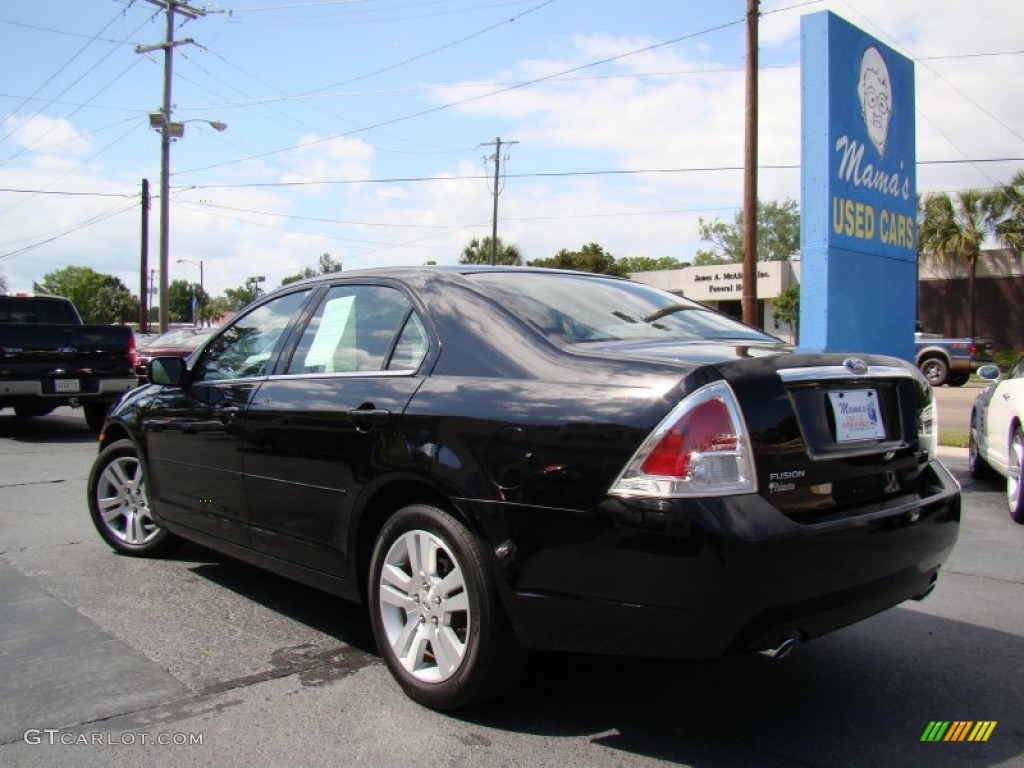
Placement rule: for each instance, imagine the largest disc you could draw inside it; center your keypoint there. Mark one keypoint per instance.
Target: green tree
(326, 264)
(240, 296)
(955, 227)
(216, 308)
(1008, 208)
(114, 304)
(590, 258)
(786, 308)
(3, 284)
(85, 287)
(650, 264)
(180, 295)
(479, 252)
(778, 235)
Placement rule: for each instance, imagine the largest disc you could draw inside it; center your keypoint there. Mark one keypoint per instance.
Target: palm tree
(1008, 201)
(956, 227)
(479, 252)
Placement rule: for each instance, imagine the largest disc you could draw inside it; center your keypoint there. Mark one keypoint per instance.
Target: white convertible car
(997, 432)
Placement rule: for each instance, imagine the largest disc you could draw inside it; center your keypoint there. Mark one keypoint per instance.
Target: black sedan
(504, 459)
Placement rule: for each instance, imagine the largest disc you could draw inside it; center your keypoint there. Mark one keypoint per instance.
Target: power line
(562, 174)
(471, 99)
(76, 228)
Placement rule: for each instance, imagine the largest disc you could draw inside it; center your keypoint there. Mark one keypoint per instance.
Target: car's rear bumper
(715, 577)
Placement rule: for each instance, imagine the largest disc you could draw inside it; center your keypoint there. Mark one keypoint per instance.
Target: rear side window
(574, 309)
(355, 329)
(37, 310)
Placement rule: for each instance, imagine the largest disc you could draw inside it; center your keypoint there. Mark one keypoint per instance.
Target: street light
(169, 130)
(201, 290)
(254, 283)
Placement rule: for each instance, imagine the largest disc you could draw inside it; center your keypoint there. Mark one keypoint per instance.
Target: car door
(1005, 406)
(193, 434)
(328, 422)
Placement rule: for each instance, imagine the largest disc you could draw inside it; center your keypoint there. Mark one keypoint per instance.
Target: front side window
(247, 346)
(354, 330)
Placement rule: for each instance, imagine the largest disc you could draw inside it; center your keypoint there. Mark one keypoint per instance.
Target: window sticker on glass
(329, 333)
(858, 416)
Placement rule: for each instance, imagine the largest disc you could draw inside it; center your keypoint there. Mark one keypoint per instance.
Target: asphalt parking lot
(201, 660)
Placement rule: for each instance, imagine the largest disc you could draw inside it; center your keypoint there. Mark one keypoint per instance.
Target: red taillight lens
(133, 353)
(707, 427)
(699, 449)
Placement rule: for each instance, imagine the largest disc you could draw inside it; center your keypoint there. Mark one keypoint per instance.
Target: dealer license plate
(67, 385)
(857, 414)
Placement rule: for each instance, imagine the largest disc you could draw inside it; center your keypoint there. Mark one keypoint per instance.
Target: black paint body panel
(522, 437)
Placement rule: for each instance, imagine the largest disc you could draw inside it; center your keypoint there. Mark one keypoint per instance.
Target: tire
(436, 614)
(935, 370)
(958, 379)
(1015, 468)
(119, 504)
(95, 415)
(976, 465)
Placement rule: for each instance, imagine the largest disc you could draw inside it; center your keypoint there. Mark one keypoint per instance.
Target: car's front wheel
(119, 504)
(436, 614)
(1014, 470)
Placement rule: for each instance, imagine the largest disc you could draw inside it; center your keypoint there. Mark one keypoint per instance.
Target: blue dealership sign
(858, 237)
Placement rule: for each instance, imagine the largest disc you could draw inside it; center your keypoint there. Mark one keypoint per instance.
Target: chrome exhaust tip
(782, 650)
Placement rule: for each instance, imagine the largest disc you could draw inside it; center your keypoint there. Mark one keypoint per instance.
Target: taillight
(133, 353)
(700, 449)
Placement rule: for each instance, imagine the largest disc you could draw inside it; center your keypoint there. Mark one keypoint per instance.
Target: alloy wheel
(424, 606)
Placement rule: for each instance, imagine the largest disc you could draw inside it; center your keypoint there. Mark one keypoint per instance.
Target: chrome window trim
(831, 372)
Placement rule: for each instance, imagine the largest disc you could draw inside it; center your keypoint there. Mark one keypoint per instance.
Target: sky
(366, 129)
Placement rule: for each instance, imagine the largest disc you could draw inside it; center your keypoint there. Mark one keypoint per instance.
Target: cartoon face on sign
(875, 91)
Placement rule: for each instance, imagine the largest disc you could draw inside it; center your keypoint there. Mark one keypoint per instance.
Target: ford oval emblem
(855, 365)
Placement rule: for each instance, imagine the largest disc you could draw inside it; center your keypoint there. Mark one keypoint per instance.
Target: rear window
(580, 309)
(33, 309)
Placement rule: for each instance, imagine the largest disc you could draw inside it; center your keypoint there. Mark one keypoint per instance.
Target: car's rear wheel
(976, 465)
(436, 614)
(958, 379)
(119, 504)
(935, 370)
(1015, 467)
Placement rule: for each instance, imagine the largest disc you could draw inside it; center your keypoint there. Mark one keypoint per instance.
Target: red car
(180, 342)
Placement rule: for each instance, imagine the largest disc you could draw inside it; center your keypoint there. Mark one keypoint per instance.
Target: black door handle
(227, 413)
(366, 416)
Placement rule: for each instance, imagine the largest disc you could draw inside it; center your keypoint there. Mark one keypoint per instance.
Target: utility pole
(167, 131)
(496, 157)
(750, 175)
(144, 262)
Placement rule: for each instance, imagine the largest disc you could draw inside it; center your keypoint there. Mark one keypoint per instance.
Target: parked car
(949, 361)
(49, 358)
(505, 459)
(180, 342)
(996, 443)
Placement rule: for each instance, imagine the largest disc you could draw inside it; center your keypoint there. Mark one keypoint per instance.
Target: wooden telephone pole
(750, 315)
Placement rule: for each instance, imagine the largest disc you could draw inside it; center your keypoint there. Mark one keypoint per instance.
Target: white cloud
(40, 133)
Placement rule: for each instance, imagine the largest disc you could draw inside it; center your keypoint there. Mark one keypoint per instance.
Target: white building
(721, 286)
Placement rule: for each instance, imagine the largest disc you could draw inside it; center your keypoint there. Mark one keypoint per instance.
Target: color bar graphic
(959, 730)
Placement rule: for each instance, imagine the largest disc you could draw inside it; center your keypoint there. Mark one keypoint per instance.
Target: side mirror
(168, 371)
(988, 372)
